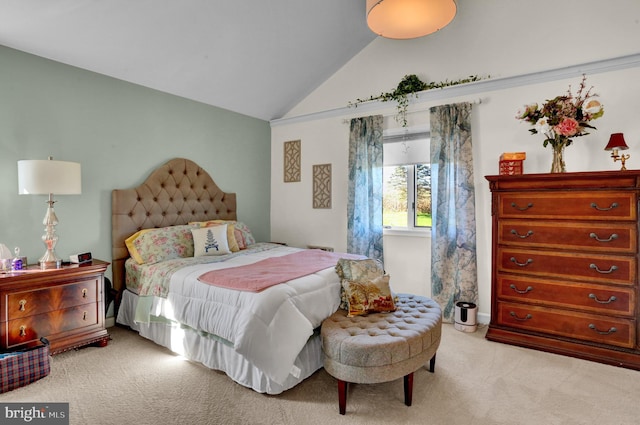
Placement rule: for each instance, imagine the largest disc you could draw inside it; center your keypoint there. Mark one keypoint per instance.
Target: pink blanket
(272, 271)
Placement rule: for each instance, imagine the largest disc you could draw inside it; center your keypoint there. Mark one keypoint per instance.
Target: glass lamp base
(50, 261)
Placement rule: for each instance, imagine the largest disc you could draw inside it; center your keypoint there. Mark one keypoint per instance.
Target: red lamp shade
(616, 141)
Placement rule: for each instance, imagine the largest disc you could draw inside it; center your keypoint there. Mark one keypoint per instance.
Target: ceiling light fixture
(404, 19)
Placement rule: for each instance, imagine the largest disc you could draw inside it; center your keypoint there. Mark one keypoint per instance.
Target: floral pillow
(247, 236)
(210, 240)
(371, 296)
(150, 246)
(357, 271)
(239, 239)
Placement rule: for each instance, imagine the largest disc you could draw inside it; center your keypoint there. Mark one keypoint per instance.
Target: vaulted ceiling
(255, 57)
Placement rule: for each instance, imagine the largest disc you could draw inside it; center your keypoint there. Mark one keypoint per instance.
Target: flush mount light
(404, 19)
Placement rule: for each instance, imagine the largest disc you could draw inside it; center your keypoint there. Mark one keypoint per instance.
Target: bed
(267, 338)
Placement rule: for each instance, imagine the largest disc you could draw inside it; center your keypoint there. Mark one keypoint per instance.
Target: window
(406, 203)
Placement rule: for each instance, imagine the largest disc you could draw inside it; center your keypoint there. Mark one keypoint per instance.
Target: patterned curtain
(453, 231)
(364, 209)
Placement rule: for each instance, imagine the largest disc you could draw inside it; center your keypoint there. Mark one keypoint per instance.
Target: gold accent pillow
(372, 296)
(357, 271)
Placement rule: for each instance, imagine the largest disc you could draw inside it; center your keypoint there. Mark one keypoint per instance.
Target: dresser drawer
(574, 266)
(585, 205)
(587, 327)
(30, 303)
(582, 236)
(32, 328)
(583, 296)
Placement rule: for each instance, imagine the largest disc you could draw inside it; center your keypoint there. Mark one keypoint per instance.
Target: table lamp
(46, 177)
(616, 141)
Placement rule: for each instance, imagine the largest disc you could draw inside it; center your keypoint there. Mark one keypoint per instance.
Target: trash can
(466, 315)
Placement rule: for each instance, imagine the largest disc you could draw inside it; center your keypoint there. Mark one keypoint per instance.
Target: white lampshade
(42, 177)
(403, 19)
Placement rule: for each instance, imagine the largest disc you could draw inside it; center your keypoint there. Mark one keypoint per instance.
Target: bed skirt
(216, 353)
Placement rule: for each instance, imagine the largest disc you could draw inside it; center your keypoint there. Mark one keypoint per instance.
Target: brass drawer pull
(613, 237)
(609, 332)
(522, 319)
(529, 205)
(23, 330)
(84, 292)
(515, 232)
(22, 303)
(611, 269)
(513, 260)
(594, 205)
(520, 291)
(611, 299)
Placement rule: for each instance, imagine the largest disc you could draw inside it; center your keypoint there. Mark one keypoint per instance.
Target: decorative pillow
(231, 236)
(373, 296)
(150, 246)
(357, 271)
(210, 240)
(239, 238)
(246, 234)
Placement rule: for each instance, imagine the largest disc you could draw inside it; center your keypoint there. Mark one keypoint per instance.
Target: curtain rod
(474, 102)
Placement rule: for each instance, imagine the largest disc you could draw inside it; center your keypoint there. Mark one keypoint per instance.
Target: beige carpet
(133, 381)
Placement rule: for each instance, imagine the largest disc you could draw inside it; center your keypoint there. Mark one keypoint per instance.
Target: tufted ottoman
(382, 347)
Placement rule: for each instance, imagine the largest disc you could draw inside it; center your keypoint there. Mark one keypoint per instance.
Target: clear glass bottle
(16, 263)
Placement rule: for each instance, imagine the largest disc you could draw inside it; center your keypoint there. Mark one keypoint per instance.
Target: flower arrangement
(563, 117)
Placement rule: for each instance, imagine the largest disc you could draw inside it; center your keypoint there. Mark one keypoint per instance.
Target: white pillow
(210, 241)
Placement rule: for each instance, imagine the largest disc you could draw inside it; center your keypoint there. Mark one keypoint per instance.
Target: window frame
(391, 136)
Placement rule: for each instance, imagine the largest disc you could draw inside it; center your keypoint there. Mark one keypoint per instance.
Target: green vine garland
(410, 85)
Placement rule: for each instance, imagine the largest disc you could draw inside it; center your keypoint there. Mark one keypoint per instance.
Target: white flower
(591, 106)
(542, 126)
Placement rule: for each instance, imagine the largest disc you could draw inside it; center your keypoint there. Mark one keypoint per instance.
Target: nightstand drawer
(31, 303)
(585, 205)
(587, 327)
(574, 266)
(583, 296)
(580, 236)
(32, 328)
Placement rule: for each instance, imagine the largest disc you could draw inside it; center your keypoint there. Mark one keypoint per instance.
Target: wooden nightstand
(63, 305)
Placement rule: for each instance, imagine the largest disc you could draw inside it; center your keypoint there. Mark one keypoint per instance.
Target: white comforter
(269, 327)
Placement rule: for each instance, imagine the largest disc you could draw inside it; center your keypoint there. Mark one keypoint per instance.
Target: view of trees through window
(406, 199)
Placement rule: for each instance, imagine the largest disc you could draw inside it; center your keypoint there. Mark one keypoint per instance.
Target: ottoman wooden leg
(432, 364)
(342, 396)
(408, 389)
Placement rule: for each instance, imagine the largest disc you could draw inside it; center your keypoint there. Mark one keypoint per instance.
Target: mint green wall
(119, 132)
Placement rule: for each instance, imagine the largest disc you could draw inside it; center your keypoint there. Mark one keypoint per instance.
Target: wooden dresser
(64, 305)
(565, 264)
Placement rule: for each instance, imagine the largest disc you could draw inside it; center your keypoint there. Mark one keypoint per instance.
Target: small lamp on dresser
(46, 177)
(617, 142)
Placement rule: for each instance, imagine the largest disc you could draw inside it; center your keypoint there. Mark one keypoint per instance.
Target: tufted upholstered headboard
(175, 193)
